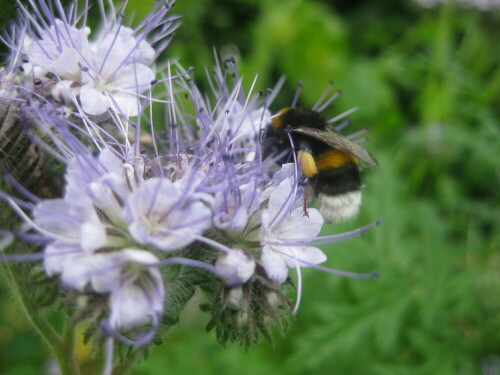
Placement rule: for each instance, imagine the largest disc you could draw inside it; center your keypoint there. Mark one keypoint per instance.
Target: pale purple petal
(298, 225)
(53, 216)
(55, 255)
(274, 264)
(93, 236)
(93, 102)
(308, 254)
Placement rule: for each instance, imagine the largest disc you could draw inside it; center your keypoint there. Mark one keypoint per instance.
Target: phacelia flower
(115, 75)
(161, 213)
(280, 229)
(136, 287)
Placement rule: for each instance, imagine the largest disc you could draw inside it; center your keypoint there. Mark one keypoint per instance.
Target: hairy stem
(62, 347)
(123, 367)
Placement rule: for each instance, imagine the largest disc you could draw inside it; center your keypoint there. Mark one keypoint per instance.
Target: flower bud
(234, 298)
(235, 267)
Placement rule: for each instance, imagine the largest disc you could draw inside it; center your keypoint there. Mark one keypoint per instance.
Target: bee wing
(338, 141)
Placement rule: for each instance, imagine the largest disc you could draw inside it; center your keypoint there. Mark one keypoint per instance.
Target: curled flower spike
(56, 51)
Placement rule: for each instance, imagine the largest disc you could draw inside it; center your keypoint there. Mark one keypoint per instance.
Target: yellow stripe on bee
(277, 123)
(307, 164)
(333, 159)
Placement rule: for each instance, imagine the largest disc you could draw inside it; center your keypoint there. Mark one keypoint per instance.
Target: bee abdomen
(338, 180)
(338, 192)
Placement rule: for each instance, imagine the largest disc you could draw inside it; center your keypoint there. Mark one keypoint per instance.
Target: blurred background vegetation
(427, 81)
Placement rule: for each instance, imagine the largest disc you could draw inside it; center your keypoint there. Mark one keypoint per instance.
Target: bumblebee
(329, 160)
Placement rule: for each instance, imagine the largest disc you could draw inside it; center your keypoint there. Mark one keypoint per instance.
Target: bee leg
(305, 207)
(307, 195)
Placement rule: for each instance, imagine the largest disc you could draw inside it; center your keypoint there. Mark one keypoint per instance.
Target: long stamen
(299, 288)
(342, 115)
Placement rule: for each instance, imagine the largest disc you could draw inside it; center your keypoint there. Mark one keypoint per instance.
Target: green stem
(62, 347)
(68, 362)
(122, 368)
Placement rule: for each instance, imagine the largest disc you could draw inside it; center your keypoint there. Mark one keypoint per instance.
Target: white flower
(165, 214)
(287, 171)
(78, 233)
(59, 50)
(135, 286)
(102, 179)
(280, 229)
(74, 223)
(137, 290)
(116, 74)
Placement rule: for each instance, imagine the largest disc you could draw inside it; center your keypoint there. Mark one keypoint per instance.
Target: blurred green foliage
(428, 83)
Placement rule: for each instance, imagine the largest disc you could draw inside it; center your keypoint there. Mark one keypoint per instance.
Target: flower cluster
(144, 221)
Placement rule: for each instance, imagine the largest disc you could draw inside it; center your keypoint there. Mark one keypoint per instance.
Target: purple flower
(115, 73)
(284, 230)
(165, 214)
(136, 287)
